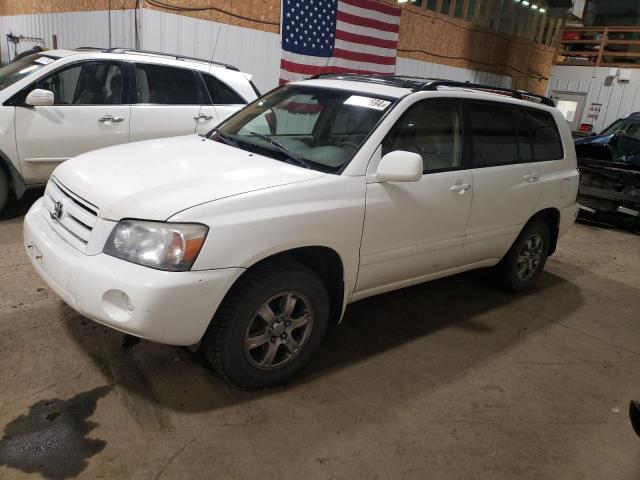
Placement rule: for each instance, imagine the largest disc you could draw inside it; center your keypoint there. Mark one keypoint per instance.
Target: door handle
(109, 119)
(201, 117)
(531, 177)
(460, 188)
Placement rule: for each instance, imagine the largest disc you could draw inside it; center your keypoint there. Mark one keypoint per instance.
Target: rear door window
(220, 93)
(158, 84)
(494, 133)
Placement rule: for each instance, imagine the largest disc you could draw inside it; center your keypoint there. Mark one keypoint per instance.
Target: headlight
(165, 246)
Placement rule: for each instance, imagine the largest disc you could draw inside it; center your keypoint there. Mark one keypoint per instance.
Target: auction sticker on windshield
(44, 60)
(367, 102)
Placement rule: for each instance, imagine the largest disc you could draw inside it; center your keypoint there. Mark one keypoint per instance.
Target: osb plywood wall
(424, 35)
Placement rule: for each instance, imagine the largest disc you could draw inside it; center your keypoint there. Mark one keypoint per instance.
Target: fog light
(118, 305)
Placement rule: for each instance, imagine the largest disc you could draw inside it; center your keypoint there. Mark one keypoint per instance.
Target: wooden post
(439, 6)
(531, 35)
(552, 26)
(452, 8)
(543, 24)
(54, 41)
(555, 38)
(465, 10)
(476, 11)
(603, 42)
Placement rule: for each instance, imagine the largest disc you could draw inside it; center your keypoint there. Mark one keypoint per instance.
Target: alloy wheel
(278, 330)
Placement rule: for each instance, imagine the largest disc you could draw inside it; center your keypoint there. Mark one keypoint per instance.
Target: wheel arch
(324, 261)
(16, 181)
(552, 217)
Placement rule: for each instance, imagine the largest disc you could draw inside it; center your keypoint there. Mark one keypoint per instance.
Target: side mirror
(400, 166)
(40, 98)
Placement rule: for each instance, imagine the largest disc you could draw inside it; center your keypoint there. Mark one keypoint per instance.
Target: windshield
(311, 127)
(620, 126)
(11, 73)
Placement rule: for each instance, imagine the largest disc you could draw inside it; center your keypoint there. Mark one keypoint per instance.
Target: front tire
(269, 326)
(523, 264)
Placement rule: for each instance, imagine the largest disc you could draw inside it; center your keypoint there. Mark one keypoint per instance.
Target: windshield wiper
(282, 149)
(226, 138)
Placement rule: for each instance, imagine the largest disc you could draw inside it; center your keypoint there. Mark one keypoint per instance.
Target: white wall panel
(618, 99)
(252, 51)
(408, 66)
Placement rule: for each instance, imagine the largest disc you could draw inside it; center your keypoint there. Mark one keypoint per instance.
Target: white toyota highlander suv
(57, 104)
(253, 238)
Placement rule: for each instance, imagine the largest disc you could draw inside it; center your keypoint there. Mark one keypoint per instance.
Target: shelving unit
(611, 47)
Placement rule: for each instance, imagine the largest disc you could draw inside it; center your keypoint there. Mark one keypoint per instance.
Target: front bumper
(165, 307)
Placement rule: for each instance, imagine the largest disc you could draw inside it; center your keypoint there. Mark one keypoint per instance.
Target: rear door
(506, 180)
(166, 101)
(90, 111)
(219, 101)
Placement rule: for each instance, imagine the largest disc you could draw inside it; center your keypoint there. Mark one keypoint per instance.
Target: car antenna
(213, 53)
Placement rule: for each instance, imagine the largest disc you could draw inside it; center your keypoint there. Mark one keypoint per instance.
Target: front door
(89, 112)
(413, 230)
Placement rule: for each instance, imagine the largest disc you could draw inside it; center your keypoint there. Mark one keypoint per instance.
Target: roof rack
(519, 94)
(160, 54)
(425, 84)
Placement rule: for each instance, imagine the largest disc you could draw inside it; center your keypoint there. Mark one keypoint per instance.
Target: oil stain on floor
(52, 438)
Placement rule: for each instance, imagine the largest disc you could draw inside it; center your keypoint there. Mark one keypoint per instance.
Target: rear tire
(523, 264)
(5, 191)
(269, 326)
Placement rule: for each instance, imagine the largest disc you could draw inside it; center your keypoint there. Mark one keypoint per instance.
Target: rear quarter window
(545, 138)
(220, 93)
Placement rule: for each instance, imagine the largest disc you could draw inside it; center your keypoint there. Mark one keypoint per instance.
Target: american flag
(338, 36)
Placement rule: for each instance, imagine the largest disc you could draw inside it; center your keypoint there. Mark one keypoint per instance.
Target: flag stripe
(340, 62)
(309, 70)
(369, 32)
(367, 22)
(297, 58)
(377, 6)
(368, 13)
(366, 40)
(359, 48)
(363, 57)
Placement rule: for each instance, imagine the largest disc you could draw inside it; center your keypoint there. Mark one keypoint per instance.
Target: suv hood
(155, 179)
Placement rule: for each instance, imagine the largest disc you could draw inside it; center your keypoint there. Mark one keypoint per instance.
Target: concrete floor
(448, 380)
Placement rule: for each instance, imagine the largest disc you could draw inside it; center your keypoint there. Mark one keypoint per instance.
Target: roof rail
(160, 54)
(519, 94)
(423, 83)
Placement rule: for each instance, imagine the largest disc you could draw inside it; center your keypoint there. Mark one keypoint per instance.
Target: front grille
(74, 218)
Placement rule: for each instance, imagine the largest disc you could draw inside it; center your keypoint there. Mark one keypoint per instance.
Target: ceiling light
(525, 3)
(534, 6)
(542, 10)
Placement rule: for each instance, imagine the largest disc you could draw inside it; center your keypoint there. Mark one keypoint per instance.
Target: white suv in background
(322, 192)
(57, 104)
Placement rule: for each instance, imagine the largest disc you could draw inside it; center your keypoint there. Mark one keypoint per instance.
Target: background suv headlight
(165, 246)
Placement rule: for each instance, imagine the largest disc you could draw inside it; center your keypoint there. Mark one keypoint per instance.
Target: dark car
(609, 166)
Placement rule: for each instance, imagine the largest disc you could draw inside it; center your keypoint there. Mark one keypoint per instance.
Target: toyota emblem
(57, 211)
